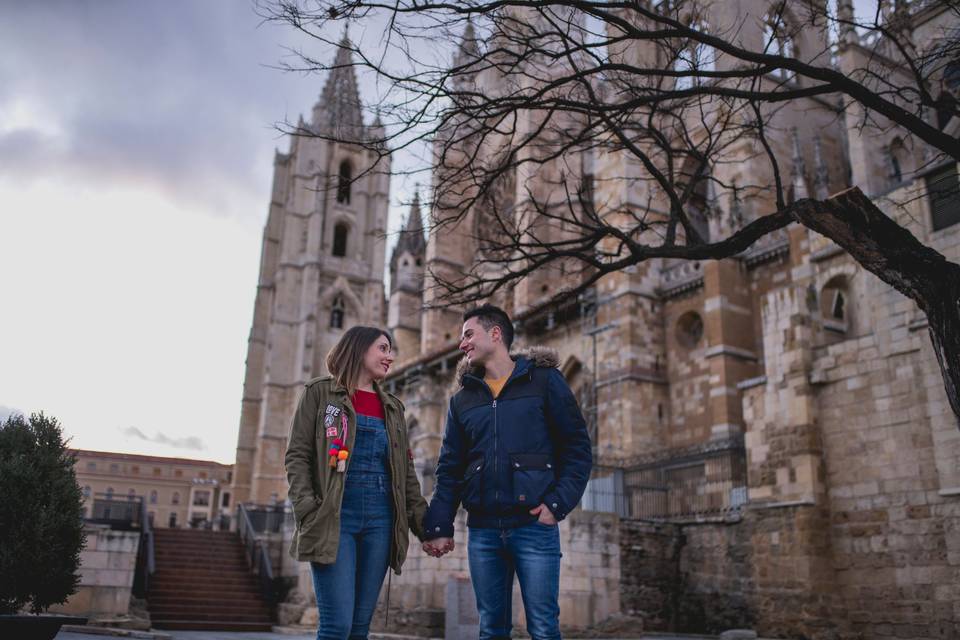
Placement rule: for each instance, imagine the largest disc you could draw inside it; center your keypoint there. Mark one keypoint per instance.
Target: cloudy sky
(136, 148)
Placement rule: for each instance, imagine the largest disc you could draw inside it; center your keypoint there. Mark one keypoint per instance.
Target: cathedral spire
(469, 49)
(337, 112)
(411, 238)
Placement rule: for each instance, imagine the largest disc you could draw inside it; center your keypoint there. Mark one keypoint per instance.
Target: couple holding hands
(515, 453)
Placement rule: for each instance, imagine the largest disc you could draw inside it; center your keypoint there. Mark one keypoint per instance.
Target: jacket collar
(525, 361)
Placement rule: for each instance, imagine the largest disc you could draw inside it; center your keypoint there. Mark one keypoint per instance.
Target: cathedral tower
(321, 271)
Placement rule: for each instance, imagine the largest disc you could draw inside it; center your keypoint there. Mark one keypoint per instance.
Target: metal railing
(122, 513)
(267, 519)
(258, 556)
(146, 560)
(692, 487)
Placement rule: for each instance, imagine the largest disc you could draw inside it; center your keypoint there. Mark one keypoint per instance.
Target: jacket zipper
(496, 454)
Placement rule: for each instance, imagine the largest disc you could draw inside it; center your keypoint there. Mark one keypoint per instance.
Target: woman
(352, 483)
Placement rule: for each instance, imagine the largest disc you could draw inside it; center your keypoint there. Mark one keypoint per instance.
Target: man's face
(478, 343)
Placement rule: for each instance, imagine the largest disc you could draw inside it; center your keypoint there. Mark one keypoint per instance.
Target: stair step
(245, 600)
(219, 610)
(206, 625)
(202, 582)
(211, 615)
(201, 590)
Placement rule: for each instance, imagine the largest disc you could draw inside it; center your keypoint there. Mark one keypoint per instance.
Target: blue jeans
(347, 590)
(533, 553)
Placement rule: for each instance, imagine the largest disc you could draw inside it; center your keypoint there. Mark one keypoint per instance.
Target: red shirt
(367, 403)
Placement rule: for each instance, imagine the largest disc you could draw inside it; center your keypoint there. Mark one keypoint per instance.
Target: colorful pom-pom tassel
(341, 466)
(342, 455)
(333, 462)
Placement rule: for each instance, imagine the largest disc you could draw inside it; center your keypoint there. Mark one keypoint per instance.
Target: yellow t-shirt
(496, 384)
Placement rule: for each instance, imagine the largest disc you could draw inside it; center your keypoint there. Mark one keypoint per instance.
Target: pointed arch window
(897, 155)
(344, 180)
(336, 313)
(340, 234)
(777, 41)
(694, 58)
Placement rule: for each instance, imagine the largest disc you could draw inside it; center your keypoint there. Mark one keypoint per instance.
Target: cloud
(176, 96)
(188, 442)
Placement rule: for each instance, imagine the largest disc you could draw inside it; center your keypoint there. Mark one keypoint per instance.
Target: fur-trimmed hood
(543, 357)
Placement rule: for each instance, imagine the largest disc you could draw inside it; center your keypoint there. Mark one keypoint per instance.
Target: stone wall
(107, 565)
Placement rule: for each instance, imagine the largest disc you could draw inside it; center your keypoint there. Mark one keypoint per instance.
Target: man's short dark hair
(490, 316)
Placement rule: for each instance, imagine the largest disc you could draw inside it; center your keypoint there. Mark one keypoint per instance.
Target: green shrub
(41, 515)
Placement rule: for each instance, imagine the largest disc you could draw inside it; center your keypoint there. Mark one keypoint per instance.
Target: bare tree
(684, 95)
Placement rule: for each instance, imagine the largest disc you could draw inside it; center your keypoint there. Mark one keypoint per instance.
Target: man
(516, 453)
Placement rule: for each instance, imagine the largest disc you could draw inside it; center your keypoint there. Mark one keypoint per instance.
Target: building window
(201, 498)
(91, 466)
(202, 474)
(897, 154)
(340, 232)
(135, 469)
(114, 468)
(226, 499)
(689, 329)
(151, 516)
(835, 305)
(87, 491)
(178, 473)
(343, 182)
(153, 497)
(157, 471)
(176, 498)
(943, 188)
(778, 42)
(694, 58)
(131, 495)
(229, 476)
(109, 493)
(173, 520)
(336, 313)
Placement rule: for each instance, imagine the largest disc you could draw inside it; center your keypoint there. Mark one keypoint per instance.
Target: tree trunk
(894, 255)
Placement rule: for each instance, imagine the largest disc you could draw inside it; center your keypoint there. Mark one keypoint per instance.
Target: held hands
(544, 515)
(438, 547)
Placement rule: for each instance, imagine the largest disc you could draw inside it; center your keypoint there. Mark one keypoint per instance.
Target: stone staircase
(201, 581)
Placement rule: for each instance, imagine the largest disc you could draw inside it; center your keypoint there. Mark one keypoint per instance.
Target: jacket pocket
(472, 492)
(532, 476)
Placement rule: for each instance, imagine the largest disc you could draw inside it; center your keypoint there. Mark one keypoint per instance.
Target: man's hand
(544, 515)
(438, 547)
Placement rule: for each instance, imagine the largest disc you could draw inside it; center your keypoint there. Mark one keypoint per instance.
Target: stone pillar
(728, 326)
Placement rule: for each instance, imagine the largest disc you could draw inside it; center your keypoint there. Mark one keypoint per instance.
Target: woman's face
(378, 358)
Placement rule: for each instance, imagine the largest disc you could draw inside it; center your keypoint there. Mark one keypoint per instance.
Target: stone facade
(774, 446)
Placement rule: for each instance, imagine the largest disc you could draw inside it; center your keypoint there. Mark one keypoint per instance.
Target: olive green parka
(316, 489)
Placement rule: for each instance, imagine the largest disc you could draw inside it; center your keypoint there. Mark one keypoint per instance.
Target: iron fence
(682, 488)
(125, 513)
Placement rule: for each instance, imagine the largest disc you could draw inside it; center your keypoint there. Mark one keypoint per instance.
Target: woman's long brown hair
(345, 360)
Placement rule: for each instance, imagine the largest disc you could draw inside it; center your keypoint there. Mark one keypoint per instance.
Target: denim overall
(347, 590)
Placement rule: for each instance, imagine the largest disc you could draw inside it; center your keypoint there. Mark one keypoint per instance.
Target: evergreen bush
(41, 515)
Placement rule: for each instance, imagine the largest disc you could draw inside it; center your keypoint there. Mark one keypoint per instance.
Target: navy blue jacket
(503, 457)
